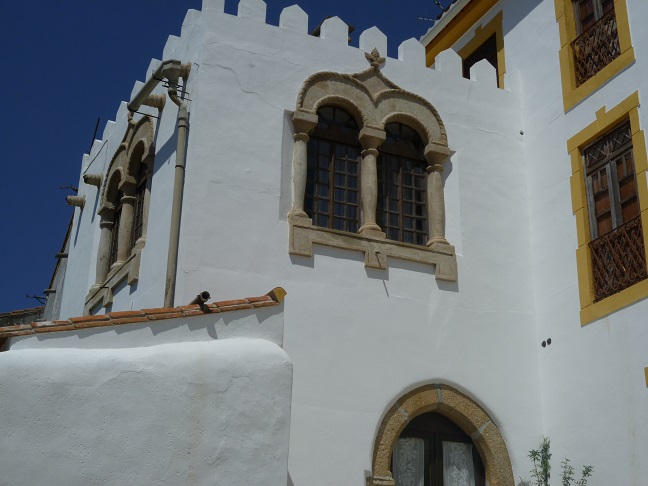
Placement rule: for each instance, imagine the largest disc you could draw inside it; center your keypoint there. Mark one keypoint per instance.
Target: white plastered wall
(361, 338)
(211, 412)
(593, 387)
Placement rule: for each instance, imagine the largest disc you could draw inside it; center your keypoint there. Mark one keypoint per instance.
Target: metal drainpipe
(171, 70)
(178, 189)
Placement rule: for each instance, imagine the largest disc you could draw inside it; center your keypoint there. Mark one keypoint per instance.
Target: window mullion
(401, 220)
(331, 202)
(591, 208)
(615, 197)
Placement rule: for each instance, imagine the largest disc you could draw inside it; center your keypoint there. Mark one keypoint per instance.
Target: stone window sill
(374, 245)
(129, 269)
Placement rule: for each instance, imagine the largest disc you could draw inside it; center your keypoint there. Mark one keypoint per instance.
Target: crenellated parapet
(293, 20)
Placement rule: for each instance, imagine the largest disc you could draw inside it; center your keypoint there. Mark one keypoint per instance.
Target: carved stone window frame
(119, 186)
(373, 100)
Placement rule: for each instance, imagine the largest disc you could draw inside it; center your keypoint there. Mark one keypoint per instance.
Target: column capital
(371, 137)
(127, 185)
(107, 211)
(370, 151)
(128, 199)
(301, 137)
(434, 168)
(436, 153)
(304, 121)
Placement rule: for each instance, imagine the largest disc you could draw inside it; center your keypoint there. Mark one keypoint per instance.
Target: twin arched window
(123, 211)
(127, 200)
(366, 171)
(332, 196)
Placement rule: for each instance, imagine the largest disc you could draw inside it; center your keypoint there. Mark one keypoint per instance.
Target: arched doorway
(460, 410)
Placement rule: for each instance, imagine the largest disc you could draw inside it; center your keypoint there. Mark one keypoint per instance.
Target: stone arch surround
(454, 405)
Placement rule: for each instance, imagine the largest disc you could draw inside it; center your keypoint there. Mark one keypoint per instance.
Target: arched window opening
(401, 207)
(433, 451)
(138, 210)
(332, 178)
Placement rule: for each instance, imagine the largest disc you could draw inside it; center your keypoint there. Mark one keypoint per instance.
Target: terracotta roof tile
(272, 298)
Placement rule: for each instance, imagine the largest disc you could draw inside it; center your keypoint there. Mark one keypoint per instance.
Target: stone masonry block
(449, 62)
(108, 130)
(334, 30)
(252, 9)
(412, 51)
(395, 421)
(136, 88)
(190, 20)
(295, 19)
(484, 73)
(217, 5)
(421, 400)
(153, 65)
(172, 43)
(374, 38)
(462, 410)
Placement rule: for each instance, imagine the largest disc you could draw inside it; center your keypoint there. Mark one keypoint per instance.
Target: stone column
(107, 214)
(303, 122)
(435, 156)
(127, 188)
(370, 139)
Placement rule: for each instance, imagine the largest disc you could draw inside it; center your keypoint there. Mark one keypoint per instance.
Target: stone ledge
(376, 249)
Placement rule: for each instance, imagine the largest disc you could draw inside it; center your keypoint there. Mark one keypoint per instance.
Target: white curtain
(409, 462)
(458, 464)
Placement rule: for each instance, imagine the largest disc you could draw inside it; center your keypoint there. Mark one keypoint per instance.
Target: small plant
(541, 471)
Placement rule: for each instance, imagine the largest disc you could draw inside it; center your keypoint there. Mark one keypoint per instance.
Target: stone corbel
(370, 139)
(93, 179)
(303, 122)
(436, 155)
(78, 201)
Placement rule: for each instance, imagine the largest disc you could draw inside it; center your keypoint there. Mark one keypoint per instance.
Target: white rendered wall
(595, 405)
(215, 412)
(361, 338)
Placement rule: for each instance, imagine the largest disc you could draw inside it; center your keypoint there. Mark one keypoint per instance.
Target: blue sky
(67, 64)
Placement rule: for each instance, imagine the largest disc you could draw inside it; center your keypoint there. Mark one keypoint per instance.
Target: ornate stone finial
(374, 59)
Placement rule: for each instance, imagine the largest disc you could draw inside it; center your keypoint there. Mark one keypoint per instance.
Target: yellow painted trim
(642, 184)
(646, 373)
(614, 302)
(456, 28)
(573, 94)
(605, 120)
(639, 141)
(481, 34)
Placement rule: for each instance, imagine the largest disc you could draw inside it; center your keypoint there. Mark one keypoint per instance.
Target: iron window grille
(617, 246)
(597, 44)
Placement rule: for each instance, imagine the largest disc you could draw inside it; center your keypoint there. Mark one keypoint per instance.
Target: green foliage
(541, 471)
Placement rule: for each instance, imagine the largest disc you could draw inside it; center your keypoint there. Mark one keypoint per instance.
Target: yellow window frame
(482, 33)
(573, 94)
(605, 120)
